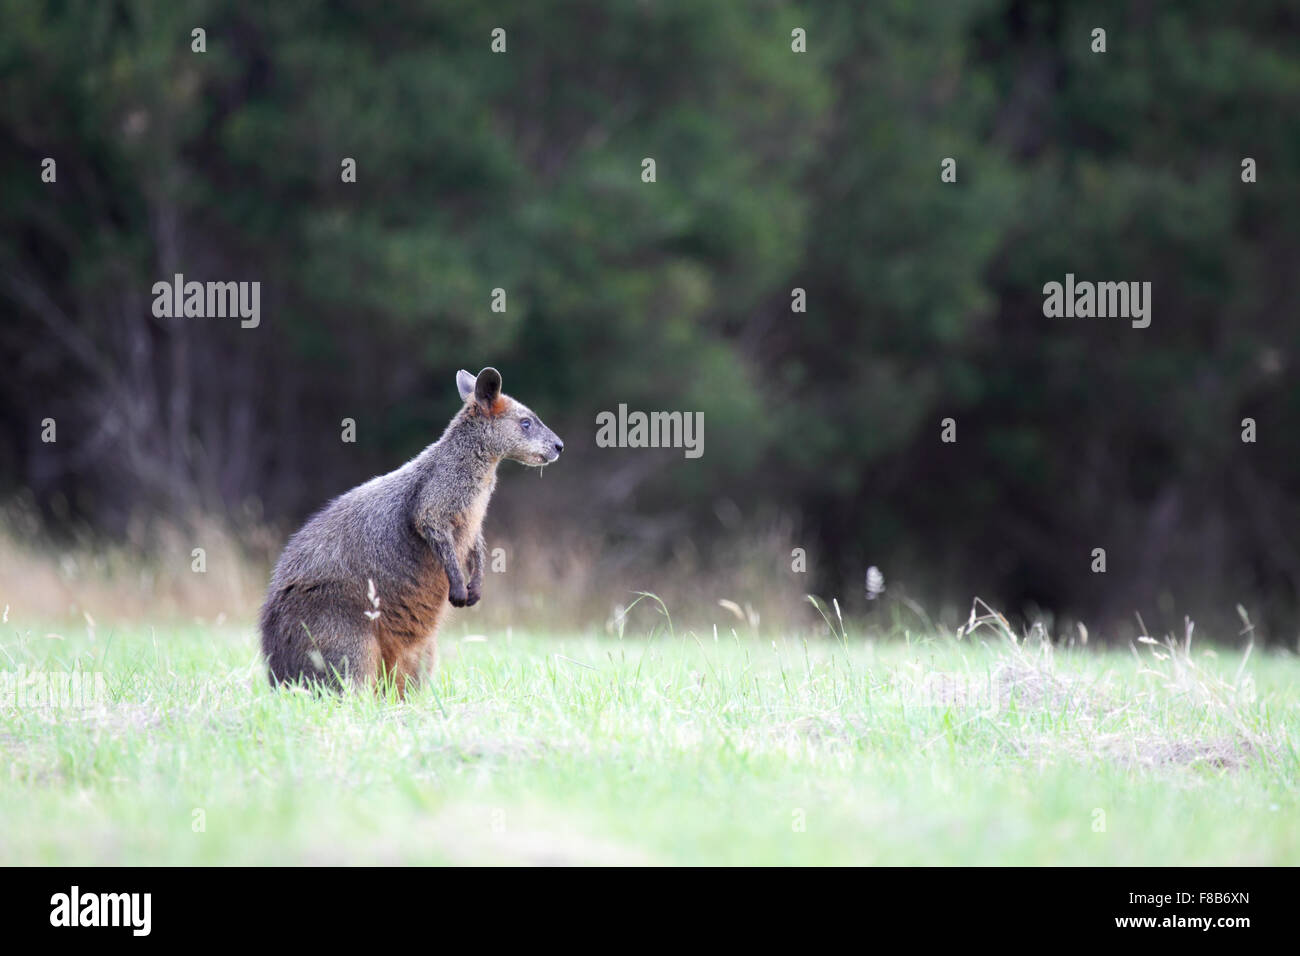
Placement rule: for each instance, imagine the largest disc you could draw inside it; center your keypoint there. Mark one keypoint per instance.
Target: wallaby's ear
(464, 384)
(487, 387)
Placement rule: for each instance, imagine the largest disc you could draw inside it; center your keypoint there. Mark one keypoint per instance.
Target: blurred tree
(776, 170)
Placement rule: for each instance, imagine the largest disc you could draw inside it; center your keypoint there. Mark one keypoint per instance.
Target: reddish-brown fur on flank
(406, 631)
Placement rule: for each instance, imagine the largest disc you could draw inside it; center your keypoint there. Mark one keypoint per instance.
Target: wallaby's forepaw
(458, 598)
(474, 596)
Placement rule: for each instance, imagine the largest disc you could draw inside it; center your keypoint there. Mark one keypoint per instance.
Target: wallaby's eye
(526, 423)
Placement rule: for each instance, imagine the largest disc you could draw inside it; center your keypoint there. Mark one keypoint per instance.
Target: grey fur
(416, 533)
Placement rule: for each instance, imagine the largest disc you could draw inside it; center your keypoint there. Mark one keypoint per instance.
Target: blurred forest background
(775, 170)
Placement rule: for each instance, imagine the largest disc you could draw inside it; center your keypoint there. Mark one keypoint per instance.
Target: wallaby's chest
(471, 519)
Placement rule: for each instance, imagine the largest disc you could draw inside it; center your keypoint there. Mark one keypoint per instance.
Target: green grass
(662, 750)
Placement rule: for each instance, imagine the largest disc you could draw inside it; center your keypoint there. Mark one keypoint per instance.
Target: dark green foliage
(775, 170)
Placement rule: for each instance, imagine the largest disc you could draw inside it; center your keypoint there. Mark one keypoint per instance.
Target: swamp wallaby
(357, 594)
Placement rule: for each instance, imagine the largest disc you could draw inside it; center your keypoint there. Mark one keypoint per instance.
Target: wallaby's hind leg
(335, 659)
(306, 643)
(345, 658)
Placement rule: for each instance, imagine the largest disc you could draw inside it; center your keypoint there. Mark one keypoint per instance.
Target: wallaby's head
(508, 428)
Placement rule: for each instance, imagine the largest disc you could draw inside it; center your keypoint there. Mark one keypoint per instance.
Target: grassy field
(656, 750)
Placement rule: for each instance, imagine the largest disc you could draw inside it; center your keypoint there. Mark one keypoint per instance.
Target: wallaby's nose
(559, 446)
